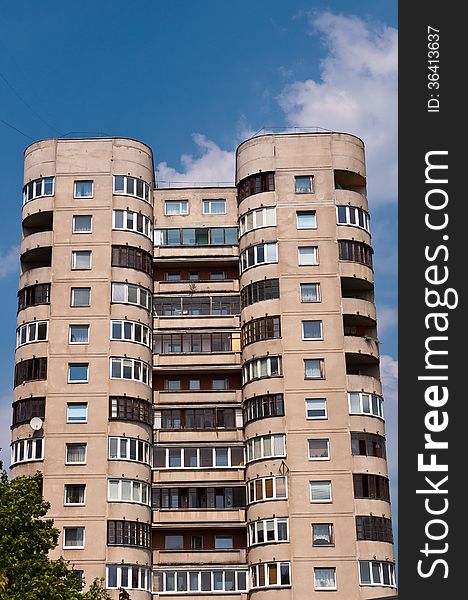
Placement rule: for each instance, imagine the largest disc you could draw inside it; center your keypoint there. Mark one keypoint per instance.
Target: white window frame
(199, 466)
(82, 231)
(253, 526)
(144, 369)
(144, 582)
(83, 462)
(348, 223)
(223, 569)
(327, 457)
(70, 333)
(316, 256)
(207, 202)
(74, 256)
(27, 327)
(329, 500)
(318, 292)
(322, 369)
(311, 184)
(264, 498)
(331, 535)
(119, 455)
(312, 339)
(37, 193)
(147, 196)
(322, 588)
(266, 221)
(65, 503)
(248, 369)
(381, 582)
(181, 212)
(380, 403)
(133, 483)
(146, 332)
(147, 223)
(72, 303)
(26, 443)
(86, 413)
(307, 409)
(306, 212)
(250, 447)
(267, 246)
(82, 181)
(69, 380)
(126, 287)
(65, 547)
(264, 567)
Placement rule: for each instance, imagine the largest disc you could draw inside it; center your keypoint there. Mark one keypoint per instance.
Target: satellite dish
(35, 423)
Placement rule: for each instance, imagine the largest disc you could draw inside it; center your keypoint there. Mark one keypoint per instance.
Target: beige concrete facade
(234, 430)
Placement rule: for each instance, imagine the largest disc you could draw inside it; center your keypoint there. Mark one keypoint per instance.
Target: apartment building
(197, 371)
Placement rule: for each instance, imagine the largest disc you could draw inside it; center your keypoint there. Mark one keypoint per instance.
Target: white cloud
(356, 93)
(389, 375)
(387, 317)
(9, 261)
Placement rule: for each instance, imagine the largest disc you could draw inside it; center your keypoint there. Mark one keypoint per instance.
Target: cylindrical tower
(83, 363)
(318, 513)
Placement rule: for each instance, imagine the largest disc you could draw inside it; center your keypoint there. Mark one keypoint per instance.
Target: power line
(16, 129)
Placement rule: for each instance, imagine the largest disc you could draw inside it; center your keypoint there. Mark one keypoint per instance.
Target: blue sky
(192, 79)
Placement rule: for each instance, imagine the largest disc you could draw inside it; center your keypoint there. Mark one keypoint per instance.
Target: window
(258, 255)
(185, 306)
(198, 457)
(31, 369)
(308, 255)
(75, 493)
(306, 219)
(264, 328)
(373, 572)
(25, 410)
(176, 207)
(355, 251)
(77, 412)
(198, 419)
(255, 184)
(220, 384)
(129, 577)
(267, 488)
(322, 534)
(268, 531)
(314, 368)
(129, 490)
(75, 453)
(78, 334)
(266, 289)
(373, 487)
(172, 277)
(258, 368)
(316, 408)
(125, 448)
(361, 403)
(131, 331)
(266, 446)
(223, 542)
(130, 368)
(319, 449)
(78, 372)
(312, 330)
(254, 219)
(73, 537)
(132, 258)
(196, 542)
(376, 529)
(177, 343)
(231, 580)
(38, 188)
(132, 221)
(200, 236)
(353, 216)
(198, 498)
(127, 293)
(271, 574)
(82, 224)
(81, 296)
(310, 292)
(263, 406)
(36, 331)
(33, 295)
(27, 450)
(83, 189)
(325, 578)
(126, 408)
(217, 276)
(194, 384)
(320, 491)
(173, 542)
(368, 444)
(128, 533)
(214, 207)
(130, 186)
(81, 259)
(304, 184)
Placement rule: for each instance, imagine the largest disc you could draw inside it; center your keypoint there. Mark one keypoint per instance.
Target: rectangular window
(316, 408)
(325, 578)
(75, 493)
(310, 292)
(75, 453)
(79, 334)
(80, 296)
(217, 276)
(78, 372)
(308, 255)
(322, 534)
(176, 207)
(319, 449)
(320, 491)
(314, 368)
(304, 184)
(224, 542)
(214, 207)
(73, 537)
(306, 219)
(82, 223)
(77, 412)
(312, 330)
(174, 542)
(81, 259)
(83, 189)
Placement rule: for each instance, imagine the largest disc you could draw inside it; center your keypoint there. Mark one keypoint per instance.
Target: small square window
(174, 542)
(308, 255)
(312, 330)
(316, 408)
(214, 207)
(320, 491)
(194, 384)
(77, 412)
(322, 534)
(314, 368)
(219, 384)
(73, 537)
(75, 454)
(78, 372)
(325, 578)
(176, 207)
(310, 292)
(82, 223)
(306, 219)
(79, 334)
(304, 184)
(173, 385)
(81, 259)
(223, 542)
(217, 276)
(80, 296)
(193, 277)
(75, 493)
(319, 449)
(172, 276)
(83, 189)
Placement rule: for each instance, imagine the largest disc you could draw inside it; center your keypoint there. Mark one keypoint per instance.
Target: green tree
(96, 591)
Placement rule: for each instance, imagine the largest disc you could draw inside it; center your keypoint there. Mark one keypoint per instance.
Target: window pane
(82, 223)
(306, 220)
(320, 491)
(312, 330)
(83, 189)
(325, 578)
(303, 185)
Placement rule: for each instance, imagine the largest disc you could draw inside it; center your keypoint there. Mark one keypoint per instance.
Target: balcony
(38, 257)
(364, 383)
(199, 557)
(183, 287)
(350, 181)
(196, 361)
(211, 517)
(360, 274)
(358, 307)
(38, 222)
(36, 241)
(213, 475)
(193, 252)
(354, 344)
(185, 397)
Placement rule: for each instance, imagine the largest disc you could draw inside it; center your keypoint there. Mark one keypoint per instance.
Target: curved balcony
(360, 308)
(351, 197)
(38, 205)
(357, 271)
(363, 383)
(38, 222)
(37, 275)
(38, 257)
(40, 240)
(354, 344)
